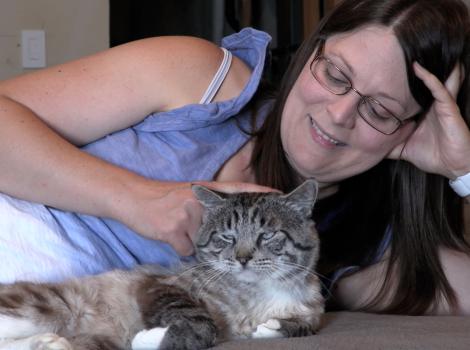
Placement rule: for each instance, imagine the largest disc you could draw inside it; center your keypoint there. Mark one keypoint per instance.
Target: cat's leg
(94, 342)
(170, 313)
(29, 325)
(52, 341)
(47, 341)
(17, 333)
(287, 328)
(181, 335)
(15, 327)
(296, 327)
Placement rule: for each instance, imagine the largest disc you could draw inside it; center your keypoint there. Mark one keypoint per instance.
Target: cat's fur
(255, 278)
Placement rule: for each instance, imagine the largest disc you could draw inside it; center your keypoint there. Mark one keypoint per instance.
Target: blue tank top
(185, 144)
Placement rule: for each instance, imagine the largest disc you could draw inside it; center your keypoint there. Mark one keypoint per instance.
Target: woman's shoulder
(186, 65)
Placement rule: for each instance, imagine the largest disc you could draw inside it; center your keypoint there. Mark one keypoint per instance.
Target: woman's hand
(441, 142)
(169, 212)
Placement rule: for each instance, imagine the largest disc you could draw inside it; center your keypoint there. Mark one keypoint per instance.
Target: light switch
(33, 48)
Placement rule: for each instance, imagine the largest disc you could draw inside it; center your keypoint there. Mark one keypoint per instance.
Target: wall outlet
(33, 48)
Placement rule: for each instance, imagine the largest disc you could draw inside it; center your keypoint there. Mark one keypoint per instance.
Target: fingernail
(416, 65)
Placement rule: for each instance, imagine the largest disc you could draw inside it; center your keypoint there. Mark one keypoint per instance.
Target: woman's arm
(46, 113)
(91, 97)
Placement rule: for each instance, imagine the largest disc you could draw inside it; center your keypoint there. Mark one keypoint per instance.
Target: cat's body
(255, 278)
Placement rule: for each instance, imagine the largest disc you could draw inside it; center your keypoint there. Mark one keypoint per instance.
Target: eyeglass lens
(335, 81)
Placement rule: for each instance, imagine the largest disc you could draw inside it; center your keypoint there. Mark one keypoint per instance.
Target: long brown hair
(420, 209)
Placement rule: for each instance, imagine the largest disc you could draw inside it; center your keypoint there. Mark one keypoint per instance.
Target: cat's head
(256, 236)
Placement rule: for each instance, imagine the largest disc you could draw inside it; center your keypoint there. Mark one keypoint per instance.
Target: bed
(356, 330)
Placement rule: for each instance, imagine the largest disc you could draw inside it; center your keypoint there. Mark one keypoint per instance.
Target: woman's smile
(323, 138)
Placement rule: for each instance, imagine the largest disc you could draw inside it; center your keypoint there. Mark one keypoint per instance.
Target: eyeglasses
(331, 78)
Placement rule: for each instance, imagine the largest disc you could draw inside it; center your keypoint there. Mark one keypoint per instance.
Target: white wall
(73, 28)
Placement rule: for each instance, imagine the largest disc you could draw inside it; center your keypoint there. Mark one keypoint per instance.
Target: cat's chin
(247, 276)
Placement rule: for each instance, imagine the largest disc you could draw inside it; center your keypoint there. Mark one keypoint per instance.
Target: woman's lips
(322, 137)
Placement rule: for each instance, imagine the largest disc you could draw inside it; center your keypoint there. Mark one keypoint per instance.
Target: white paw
(149, 339)
(50, 341)
(269, 329)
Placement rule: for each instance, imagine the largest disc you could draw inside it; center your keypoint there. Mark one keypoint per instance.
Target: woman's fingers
(454, 81)
(440, 92)
(235, 187)
(183, 245)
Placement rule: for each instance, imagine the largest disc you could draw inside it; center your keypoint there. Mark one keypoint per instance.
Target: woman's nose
(343, 109)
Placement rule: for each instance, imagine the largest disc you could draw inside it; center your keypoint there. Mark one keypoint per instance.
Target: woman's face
(322, 134)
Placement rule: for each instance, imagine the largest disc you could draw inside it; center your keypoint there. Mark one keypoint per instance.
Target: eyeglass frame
(364, 98)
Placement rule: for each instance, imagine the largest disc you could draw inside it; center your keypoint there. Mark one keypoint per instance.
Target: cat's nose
(244, 259)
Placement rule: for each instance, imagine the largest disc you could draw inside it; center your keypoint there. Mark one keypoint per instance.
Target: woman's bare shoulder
(189, 64)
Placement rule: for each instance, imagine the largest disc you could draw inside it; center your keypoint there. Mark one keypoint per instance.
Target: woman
(355, 99)
(421, 214)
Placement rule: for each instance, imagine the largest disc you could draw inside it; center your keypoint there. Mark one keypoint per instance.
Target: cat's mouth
(247, 275)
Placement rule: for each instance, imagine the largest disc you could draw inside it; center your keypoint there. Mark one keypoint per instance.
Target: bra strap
(218, 79)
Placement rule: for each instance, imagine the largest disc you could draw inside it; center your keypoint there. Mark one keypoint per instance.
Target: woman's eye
(378, 112)
(335, 77)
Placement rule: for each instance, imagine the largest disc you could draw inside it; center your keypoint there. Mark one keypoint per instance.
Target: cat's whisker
(303, 269)
(214, 275)
(209, 274)
(283, 280)
(193, 269)
(212, 279)
(300, 280)
(199, 265)
(306, 269)
(325, 287)
(288, 273)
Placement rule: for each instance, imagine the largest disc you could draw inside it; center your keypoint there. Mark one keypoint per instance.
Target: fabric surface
(363, 331)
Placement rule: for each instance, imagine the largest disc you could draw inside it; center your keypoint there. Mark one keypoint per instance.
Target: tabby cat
(254, 278)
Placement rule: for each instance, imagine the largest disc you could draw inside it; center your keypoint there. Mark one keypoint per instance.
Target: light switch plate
(33, 48)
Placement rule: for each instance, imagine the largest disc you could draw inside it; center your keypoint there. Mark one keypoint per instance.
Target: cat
(254, 278)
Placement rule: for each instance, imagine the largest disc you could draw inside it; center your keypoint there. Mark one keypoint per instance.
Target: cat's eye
(268, 235)
(227, 238)
(277, 246)
(222, 241)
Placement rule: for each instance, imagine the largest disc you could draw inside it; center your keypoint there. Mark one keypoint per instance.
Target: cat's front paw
(149, 339)
(181, 335)
(275, 328)
(296, 328)
(269, 329)
(50, 341)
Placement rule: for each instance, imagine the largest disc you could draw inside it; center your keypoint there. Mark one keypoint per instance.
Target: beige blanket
(362, 331)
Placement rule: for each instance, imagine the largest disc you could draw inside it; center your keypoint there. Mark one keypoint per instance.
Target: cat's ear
(207, 197)
(303, 197)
